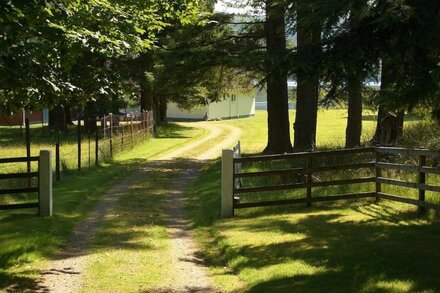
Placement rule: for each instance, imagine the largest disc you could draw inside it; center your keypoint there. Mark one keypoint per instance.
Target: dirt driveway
(66, 272)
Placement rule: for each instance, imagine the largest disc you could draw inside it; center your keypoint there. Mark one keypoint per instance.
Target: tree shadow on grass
(354, 245)
(347, 255)
(173, 130)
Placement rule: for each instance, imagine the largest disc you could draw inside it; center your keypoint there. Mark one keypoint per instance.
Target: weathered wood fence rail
(421, 169)
(44, 183)
(232, 175)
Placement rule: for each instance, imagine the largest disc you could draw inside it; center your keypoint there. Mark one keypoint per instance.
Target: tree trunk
(354, 121)
(163, 110)
(400, 117)
(145, 65)
(68, 116)
(381, 114)
(57, 119)
(391, 69)
(90, 113)
(147, 103)
(307, 92)
(278, 138)
(156, 110)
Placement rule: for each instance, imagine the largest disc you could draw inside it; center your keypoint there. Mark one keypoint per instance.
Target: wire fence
(114, 135)
(80, 148)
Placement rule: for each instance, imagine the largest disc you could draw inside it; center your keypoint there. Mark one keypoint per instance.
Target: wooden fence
(232, 175)
(43, 188)
(421, 170)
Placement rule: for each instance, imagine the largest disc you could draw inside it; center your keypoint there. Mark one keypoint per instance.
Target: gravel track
(64, 273)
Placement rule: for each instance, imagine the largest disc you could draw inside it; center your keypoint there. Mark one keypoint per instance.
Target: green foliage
(54, 51)
(359, 35)
(195, 64)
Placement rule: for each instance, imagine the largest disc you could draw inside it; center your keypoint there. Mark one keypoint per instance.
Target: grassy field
(355, 246)
(348, 246)
(27, 241)
(330, 129)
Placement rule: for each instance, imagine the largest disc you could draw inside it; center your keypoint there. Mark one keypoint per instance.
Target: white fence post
(227, 183)
(237, 167)
(45, 183)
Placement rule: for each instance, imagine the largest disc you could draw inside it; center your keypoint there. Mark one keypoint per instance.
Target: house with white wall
(233, 104)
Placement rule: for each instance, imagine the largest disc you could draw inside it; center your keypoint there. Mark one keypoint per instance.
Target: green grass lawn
(330, 129)
(334, 247)
(347, 246)
(27, 241)
(354, 246)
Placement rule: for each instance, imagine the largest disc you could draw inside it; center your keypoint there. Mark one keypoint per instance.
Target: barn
(19, 116)
(234, 104)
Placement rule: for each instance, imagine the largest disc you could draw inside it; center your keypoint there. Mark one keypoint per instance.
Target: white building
(234, 104)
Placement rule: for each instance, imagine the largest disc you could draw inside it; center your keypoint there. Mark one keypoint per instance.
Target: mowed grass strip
(28, 242)
(350, 246)
(131, 251)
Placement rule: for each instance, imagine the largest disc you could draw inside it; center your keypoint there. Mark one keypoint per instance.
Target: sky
(222, 6)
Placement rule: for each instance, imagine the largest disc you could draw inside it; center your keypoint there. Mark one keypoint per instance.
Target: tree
(70, 50)
(356, 72)
(276, 80)
(307, 75)
(404, 35)
(354, 120)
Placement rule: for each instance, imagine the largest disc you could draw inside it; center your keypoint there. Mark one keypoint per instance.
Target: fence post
(111, 135)
(227, 183)
(104, 124)
(131, 127)
(422, 180)
(122, 138)
(96, 149)
(378, 174)
(28, 149)
(79, 143)
(57, 158)
(45, 184)
(309, 180)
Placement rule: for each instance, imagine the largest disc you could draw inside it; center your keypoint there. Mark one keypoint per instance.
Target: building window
(233, 98)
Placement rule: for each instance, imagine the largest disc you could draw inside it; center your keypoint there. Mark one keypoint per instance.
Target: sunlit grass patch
(349, 246)
(394, 286)
(330, 129)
